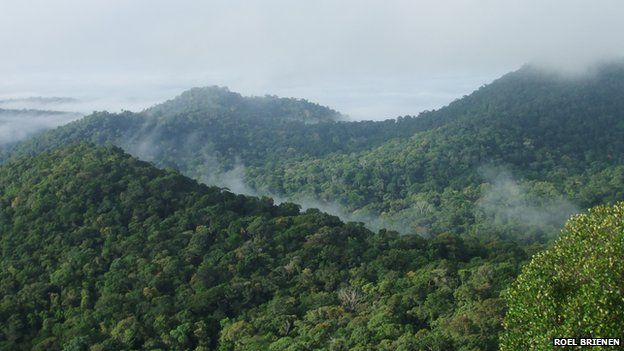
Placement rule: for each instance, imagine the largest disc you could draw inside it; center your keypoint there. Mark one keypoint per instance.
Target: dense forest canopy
(100, 251)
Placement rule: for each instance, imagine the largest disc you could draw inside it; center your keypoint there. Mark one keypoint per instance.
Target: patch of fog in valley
(524, 205)
(234, 179)
(17, 125)
(23, 117)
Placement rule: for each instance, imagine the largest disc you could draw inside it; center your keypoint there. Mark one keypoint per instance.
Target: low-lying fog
(16, 125)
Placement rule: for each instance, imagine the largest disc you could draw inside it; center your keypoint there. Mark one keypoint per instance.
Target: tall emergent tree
(574, 289)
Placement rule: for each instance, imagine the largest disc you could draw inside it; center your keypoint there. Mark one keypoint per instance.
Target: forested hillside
(101, 251)
(520, 155)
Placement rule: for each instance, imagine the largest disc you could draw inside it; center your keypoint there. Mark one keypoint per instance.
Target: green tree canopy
(573, 289)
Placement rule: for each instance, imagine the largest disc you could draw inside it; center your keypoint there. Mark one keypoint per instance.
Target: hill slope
(101, 251)
(517, 151)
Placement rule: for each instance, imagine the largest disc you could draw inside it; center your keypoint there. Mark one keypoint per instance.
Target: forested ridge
(101, 251)
(213, 126)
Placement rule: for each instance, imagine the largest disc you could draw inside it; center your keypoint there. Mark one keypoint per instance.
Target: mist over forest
(16, 125)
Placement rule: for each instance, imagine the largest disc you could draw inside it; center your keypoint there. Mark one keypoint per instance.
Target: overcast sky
(369, 59)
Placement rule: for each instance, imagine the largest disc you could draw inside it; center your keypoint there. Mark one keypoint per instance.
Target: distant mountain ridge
(217, 127)
(40, 100)
(30, 111)
(221, 102)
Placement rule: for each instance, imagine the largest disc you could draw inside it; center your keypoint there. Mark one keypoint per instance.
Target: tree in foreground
(574, 289)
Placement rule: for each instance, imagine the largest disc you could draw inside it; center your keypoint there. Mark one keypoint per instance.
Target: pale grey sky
(369, 59)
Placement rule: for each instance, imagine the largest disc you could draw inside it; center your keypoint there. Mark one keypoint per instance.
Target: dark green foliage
(573, 289)
(100, 251)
